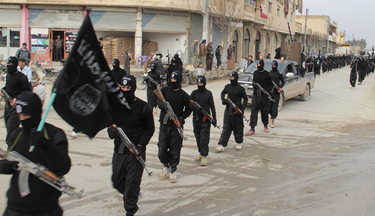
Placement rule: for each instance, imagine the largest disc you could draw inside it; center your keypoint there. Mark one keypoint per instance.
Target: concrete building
(321, 34)
(173, 24)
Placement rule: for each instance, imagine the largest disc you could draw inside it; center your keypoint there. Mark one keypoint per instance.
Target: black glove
(214, 123)
(224, 102)
(112, 133)
(37, 139)
(160, 104)
(140, 151)
(145, 78)
(181, 120)
(8, 167)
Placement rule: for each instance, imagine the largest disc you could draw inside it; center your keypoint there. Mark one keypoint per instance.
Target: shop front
(48, 24)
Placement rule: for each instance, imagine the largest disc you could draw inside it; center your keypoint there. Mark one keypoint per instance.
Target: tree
(361, 43)
(226, 14)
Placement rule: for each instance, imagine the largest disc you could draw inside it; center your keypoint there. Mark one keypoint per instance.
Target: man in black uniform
(117, 72)
(170, 141)
(51, 151)
(202, 129)
(278, 79)
(233, 122)
(139, 127)
(353, 73)
(259, 100)
(16, 83)
(152, 86)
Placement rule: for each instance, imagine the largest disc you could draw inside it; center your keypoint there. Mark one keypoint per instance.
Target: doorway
(257, 45)
(53, 34)
(235, 43)
(246, 48)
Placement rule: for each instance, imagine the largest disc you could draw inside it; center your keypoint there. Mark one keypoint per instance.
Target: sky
(352, 16)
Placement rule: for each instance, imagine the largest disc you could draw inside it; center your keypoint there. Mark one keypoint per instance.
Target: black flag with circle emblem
(87, 96)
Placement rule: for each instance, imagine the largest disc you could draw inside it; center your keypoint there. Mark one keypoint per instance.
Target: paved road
(317, 161)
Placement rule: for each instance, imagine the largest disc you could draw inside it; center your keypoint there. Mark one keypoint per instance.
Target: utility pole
(307, 13)
(206, 19)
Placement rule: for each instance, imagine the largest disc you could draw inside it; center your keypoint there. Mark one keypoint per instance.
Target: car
(296, 83)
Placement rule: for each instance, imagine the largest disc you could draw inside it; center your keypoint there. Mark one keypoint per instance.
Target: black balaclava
(130, 81)
(261, 62)
(201, 79)
(116, 64)
(235, 81)
(178, 76)
(175, 59)
(29, 103)
(274, 66)
(12, 68)
(153, 67)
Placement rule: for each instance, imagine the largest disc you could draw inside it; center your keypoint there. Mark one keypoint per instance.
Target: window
(291, 17)
(14, 37)
(278, 11)
(247, 1)
(286, 16)
(269, 7)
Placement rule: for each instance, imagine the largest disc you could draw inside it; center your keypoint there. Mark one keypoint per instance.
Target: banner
(87, 97)
(42, 56)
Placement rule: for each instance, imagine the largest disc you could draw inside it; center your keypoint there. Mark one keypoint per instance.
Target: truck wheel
(306, 94)
(281, 102)
(185, 81)
(193, 80)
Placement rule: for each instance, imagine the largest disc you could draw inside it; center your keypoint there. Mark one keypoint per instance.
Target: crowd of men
(175, 105)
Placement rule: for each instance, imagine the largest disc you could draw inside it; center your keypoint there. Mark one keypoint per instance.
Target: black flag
(87, 97)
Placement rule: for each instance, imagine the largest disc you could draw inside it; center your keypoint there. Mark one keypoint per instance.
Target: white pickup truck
(296, 83)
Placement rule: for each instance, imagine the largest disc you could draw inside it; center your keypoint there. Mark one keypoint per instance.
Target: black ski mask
(129, 80)
(29, 103)
(235, 81)
(178, 76)
(201, 79)
(12, 63)
(261, 63)
(274, 66)
(116, 64)
(154, 67)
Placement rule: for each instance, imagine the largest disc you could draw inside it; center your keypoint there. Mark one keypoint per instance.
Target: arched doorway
(276, 42)
(246, 47)
(235, 43)
(257, 44)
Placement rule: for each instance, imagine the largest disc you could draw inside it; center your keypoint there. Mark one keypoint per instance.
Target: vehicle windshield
(267, 66)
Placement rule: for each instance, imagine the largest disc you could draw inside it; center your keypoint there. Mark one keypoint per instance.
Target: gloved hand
(37, 139)
(112, 133)
(181, 120)
(145, 78)
(214, 123)
(140, 151)
(160, 104)
(8, 167)
(224, 102)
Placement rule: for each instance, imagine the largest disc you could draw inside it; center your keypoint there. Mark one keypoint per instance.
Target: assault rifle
(277, 87)
(170, 113)
(26, 166)
(236, 109)
(205, 114)
(262, 90)
(130, 145)
(6, 95)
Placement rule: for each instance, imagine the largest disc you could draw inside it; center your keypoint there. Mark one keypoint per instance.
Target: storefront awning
(10, 18)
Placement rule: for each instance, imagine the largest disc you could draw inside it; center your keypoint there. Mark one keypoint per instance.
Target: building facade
(260, 26)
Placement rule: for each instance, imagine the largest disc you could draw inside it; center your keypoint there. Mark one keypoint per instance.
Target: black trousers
(262, 104)
(12, 122)
(274, 106)
(218, 63)
(56, 212)
(170, 143)
(353, 78)
(126, 179)
(202, 135)
(233, 122)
